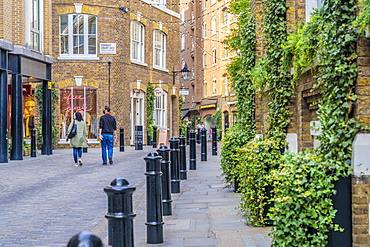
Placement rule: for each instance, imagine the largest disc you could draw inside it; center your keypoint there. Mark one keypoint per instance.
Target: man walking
(107, 134)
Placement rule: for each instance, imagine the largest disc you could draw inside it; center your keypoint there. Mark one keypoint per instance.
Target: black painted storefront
(15, 63)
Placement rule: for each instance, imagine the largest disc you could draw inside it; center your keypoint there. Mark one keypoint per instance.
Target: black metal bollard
(182, 148)
(154, 221)
(164, 151)
(175, 168)
(84, 150)
(187, 135)
(214, 140)
(33, 142)
(203, 147)
(120, 215)
(192, 154)
(149, 142)
(154, 141)
(198, 136)
(121, 139)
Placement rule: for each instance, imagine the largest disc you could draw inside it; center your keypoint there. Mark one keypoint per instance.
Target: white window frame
(182, 42)
(182, 16)
(214, 56)
(213, 25)
(160, 2)
(204, 30)
(159, 49)
(160, 111)
(205, 93)
(34, 29)
(137, 51)
(214, 86)
(204, 60)
(226, 86)
(310, 6)
(225, 17)
(226, 52)
(213, 2)
(86, 35)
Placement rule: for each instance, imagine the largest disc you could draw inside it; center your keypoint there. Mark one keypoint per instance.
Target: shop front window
(79, 99)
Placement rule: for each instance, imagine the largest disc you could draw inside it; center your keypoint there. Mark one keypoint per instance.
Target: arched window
(79, 99)
(213, 26)
(78, 35)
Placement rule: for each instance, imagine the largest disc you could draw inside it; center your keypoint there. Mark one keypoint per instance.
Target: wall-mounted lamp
(185, 73)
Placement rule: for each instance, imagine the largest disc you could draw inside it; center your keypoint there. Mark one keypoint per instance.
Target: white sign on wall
(158, 92)
(107, 48)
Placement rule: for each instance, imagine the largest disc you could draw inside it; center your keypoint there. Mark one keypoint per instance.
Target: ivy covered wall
(297, 76)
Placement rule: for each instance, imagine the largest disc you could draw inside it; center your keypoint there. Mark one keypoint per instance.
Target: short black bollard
(214, 140)
(33, 142)
(198, 135)
(121, 139)
(120, 215)
(154, 221)
(164, 151)
(154, 141)
(203, 147)
(175, 167)
(187, 135)
(192, 149)
(182, 148)
(84, 150)
(148, 141)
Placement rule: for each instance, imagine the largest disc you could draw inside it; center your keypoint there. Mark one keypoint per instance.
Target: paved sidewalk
(46, 200)
(204, 213)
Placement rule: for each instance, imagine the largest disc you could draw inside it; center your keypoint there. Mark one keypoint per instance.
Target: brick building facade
(121, 47)
(205, 26)
(208, 32)
(25, 49)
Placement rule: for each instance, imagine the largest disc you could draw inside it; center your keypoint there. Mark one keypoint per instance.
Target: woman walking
(79, 141)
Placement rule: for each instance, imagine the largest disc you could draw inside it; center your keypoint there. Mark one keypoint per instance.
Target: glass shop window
(79, 99)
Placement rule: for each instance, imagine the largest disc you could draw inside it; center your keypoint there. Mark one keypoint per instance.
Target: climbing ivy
(303, 183)
(182, 125)
(243, 40)
(218, 122)
(149, 109)
(54, 99)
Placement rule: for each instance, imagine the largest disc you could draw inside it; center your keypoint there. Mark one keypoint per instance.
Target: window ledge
(160, 68)
(139, 63)
(78, 58)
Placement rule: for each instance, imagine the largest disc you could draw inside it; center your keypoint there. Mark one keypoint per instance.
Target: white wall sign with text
(107, 48)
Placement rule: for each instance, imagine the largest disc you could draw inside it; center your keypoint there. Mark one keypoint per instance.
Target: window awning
(208, 106)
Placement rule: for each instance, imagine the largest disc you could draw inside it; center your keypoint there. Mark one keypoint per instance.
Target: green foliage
(243, 40)
(182, 124)
(234, 139)
(256, 161)
(149, 108)
(363, 21)
(303, 211)
(217, 117)
(39, 99)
